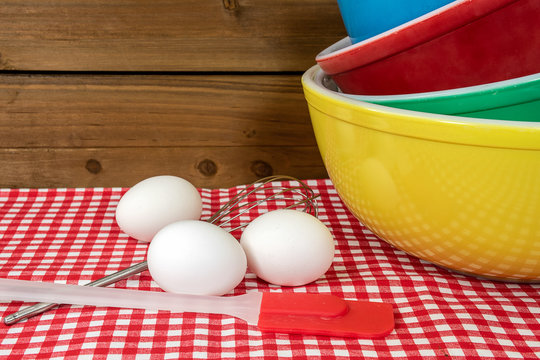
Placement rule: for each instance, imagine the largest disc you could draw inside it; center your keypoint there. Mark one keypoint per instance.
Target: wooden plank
(166, 35)
(210, 167)
(65, 111)
(108, 130)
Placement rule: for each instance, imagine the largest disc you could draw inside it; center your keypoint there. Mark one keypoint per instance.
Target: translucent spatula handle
(246, 307)
(105, 281)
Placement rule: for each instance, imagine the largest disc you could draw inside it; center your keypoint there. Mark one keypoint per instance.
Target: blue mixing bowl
(366, 18)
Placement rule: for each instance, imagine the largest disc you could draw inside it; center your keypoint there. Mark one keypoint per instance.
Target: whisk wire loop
(306, 196)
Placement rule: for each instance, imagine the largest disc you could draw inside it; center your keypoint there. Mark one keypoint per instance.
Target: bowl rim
(503, 85)
(430, 126)
(344, 55)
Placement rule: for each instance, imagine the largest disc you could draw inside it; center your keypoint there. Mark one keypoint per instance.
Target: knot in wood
(207, 167)
(250, 133)
(93, 166)
(261, 168)
(231, 5)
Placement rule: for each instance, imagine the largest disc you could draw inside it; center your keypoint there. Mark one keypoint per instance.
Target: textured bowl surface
(367, 18)
(464, 43)
(463, 193)
(516, 99)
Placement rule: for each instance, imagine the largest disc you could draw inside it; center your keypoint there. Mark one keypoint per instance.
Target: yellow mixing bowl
(463, 193)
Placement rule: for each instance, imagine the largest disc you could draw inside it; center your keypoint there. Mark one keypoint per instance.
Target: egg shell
(155, 202)
(288, 247)
(196, 257)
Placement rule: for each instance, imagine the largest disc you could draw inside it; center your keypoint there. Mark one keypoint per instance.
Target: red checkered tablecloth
(70, 236)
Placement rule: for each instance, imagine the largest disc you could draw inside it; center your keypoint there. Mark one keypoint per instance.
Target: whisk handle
(105, 281)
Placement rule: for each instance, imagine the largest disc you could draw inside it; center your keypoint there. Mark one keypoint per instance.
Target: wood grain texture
(144, 110)
(166, 35)
(108, 92)
(111, 167)
(110, 130)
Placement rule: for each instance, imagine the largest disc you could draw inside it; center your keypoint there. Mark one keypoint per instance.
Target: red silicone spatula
(302, 313)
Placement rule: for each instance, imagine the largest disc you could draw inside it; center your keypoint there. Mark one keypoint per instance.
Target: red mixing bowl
(465, 43)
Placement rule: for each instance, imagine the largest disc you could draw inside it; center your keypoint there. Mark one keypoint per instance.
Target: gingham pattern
(70, 236)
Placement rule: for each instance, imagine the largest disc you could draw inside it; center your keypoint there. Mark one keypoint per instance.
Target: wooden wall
(109, 92)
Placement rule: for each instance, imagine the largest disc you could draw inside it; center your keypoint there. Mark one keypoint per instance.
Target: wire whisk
(299, 196)
(296, 195)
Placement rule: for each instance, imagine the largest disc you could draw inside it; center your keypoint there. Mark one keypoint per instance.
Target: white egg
(155, 202)
(196, 257)
(288, 247)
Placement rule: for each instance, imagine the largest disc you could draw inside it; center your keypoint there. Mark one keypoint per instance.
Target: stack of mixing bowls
(430, 129)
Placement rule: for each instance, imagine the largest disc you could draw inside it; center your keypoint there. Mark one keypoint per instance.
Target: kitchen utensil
(367, 18)
(516, 99)
(464, 43)
(463, 193)
(289, 197)
(303, 313)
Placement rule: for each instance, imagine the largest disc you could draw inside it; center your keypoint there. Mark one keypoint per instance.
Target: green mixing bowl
(517, 99)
